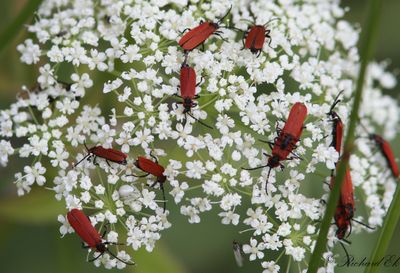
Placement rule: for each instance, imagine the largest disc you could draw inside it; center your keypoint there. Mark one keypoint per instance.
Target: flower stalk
(367, 43)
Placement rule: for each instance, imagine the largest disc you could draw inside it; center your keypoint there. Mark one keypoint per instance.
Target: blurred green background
(29, 236)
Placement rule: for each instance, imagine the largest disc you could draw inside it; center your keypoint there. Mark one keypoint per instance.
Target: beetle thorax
(273, 161)
(187, 104)
(161, 179)
(101, 247)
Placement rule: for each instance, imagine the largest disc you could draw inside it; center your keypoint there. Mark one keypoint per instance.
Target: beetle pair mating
(142, 163)
(254, 36)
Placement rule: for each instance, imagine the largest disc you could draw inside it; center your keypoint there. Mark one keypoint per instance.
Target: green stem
(13, 29)
(367, 42)
(387, 231)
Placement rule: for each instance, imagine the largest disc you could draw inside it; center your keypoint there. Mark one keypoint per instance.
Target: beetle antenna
(266, 182)
(335, 102)
(273, 19)
(79, 162)
(84, 143)
(345, 250)
(256, 168)
(165, 200)
(122, 261)
(94, 259)
(223, 17)
(364, 128)
(186, 54)
(199, 121)
(351, 229)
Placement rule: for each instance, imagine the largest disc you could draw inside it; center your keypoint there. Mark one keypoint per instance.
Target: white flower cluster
(133, 43)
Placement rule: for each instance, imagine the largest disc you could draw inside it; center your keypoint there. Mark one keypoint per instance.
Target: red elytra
(387, 153)
(86, 231)
(150, 167)
(287, 138)
(254, 37)
(188, 87)
(199, 34)
(345, 209)
(188, 91)
(107, 153)
(289, 135)
(346, 200)
(344, 212)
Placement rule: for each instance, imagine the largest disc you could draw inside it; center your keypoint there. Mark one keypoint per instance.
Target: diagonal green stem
(387, 231)
(13, 29)
(367, 42)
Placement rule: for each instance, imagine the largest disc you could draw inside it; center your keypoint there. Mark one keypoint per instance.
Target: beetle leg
(219, 35)
(267, 155)
(94, 161)
(139, 176)
(152, 185)
(201, 80)
(270, 143)
(84, 246)
(244, 38)
(296, 156)
(269, 37)
(114, 244)
(155, 158)
(184, 120)
(183, 31)
(363, 224)
(105, 230)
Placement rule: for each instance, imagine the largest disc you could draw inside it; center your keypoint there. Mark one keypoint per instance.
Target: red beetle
(387, 153)
(385, 150)
(345, 210)
(153, 168)
(287, 138)
(199, 34)
(188, 90)
(254, 37)
(84, 228)
(108, 154)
